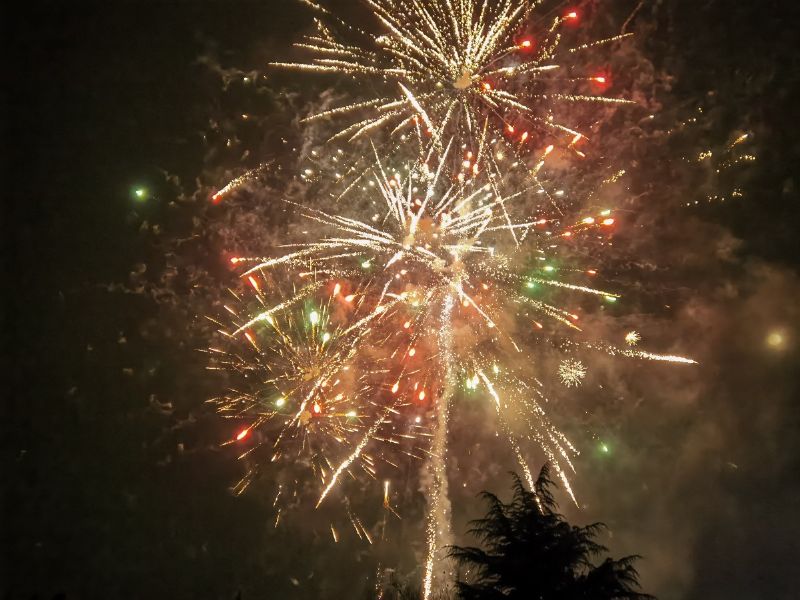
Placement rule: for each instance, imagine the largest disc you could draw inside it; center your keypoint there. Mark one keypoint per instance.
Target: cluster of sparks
(723, 164)
(354, 345)
(571, 372)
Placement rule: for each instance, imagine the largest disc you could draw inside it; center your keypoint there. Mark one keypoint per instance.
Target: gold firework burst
(455, 68)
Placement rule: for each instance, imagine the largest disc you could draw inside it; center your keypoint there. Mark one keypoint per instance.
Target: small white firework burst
(632, 338)
(571, 372)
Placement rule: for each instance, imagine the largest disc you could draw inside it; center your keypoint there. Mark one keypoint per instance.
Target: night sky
(113, 482)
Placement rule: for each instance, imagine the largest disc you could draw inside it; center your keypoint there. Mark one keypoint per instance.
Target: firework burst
(391, 313)
(571, 372)
(632, 338)
(455, 267)
(457, 68)
(311, 392)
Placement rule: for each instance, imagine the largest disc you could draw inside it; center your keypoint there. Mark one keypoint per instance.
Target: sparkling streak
(353, 456)
(268, 314)
(438, 518)
(369, 314)
(514, 445)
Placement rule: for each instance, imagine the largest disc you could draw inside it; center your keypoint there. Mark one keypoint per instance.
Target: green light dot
(604, 448)
(366, 264)
(611, 299)
(530, 285)
(313, 317)
(140, 193)
(549, 269)
(326, 336)
(280, 401)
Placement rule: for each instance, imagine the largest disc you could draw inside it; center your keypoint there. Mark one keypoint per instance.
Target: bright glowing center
(776, 339)
(464, 81)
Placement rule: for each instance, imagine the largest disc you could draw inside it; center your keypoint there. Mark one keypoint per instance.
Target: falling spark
(349, 460)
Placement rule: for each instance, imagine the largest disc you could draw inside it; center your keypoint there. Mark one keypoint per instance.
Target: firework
(457, 68)
(315, 393)
(632, 338)
(447, 283)
(248, 178)
(453, 263)
(571, 372)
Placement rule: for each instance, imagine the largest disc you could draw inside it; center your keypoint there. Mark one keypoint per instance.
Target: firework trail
(438, 521)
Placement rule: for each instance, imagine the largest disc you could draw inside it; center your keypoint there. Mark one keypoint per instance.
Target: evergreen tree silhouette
(528, 550)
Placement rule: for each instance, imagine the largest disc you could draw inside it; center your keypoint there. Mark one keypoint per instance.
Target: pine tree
(530, 551)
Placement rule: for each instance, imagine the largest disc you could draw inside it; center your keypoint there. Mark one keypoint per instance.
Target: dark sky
(98, 501)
